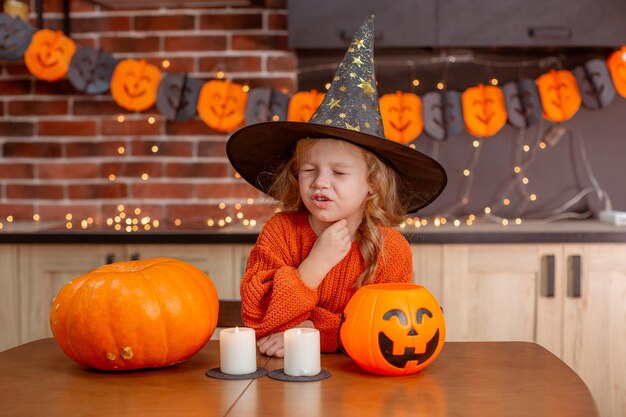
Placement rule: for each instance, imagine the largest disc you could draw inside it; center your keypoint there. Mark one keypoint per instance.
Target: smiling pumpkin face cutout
(303, 104)
(134, 84)
(483, 110)
(617, 67)
(402, 116)
(393, 329)
(49, 55)
(560, 96)
(222, 105)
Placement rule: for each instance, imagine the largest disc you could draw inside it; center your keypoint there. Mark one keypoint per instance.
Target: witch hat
(349, 112)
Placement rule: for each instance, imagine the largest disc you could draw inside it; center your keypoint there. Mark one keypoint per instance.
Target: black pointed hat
(349, 112)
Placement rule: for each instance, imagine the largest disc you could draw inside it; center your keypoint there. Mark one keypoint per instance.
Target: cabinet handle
(134, 256)
(574, 279)
(547, 276)
(550, 32)
(110, 258)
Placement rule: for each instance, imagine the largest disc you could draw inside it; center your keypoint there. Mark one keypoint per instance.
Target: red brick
(18, 211)
(228, 190)
(166, 148)
(260, 42)
(16, 129)
(159, 23)
(199, 169)
(155, 212)
(38, 107)
(130, 44)
(191, 127)
(285, 85)
(58, 212)
(32, 150)
(15, 87)
(96, 108)
(193, 213)
(159, 190)
(17, 69)
(80, 149)
(63, 128)
(16, 171)
(230, 64)
(84, 41)
(68, 171)
(98, 191)
(132, 169)
(35, 192)
(276, 4)
(57, 88)
(282, 63)
(231, 21)
(195, 43)
(132, 127)
(277, 21)
(187, 64)
(100, 24)
(56, 6)
(212, 149)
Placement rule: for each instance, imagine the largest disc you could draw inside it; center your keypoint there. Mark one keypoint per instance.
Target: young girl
(342, 187)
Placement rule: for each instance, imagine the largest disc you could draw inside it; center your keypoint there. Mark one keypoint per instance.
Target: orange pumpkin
(402, 116)
(560, 97)
(617, 67)
(49, 55)
(137, 314)
(303, 104)
(134, 84)
(222, 105)
(393, 329)
(484, 110)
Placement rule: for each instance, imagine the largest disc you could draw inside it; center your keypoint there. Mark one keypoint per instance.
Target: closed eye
(420, 314)
(397, 313)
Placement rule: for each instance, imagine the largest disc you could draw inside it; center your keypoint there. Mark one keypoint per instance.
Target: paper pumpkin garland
(177, 96)
(222, 105)
(617, 68)
(134, 84)
(266, 104)
(402, 116)
(559, 93)
(49, 54)
(303, 104)
(523, 105)
(91, 70)
(443, 114)
(15, 36)
(594, 83)
(483, 110)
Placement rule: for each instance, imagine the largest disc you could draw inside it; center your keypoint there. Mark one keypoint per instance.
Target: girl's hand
(274, 344)
(329, 249)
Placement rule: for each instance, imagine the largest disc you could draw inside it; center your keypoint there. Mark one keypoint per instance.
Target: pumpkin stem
(126, 353)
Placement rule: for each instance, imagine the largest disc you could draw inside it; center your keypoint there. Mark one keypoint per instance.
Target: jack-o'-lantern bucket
(393, 329)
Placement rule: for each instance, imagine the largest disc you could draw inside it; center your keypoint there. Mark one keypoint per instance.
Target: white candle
(237, 351)
(302, 352)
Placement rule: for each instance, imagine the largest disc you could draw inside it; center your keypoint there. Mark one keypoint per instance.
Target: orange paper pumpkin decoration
(49, 55)
(137, 314)
(303, 104)
(402, 116)
(560, 97)
(222, 105)
(484, 110)
(617, 68)
(134, 84)
(393, 329)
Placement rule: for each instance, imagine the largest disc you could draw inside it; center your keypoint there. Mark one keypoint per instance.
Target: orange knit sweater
(275, 299)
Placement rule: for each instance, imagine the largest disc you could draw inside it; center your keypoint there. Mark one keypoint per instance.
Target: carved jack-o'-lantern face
(402, 116)
(91, 70)
(222, 105)
(617, 67)
(559, 93)
(49, 54)
(134, 84)
(303, 104)
(393, 329)
(15, 36)
(483, 110)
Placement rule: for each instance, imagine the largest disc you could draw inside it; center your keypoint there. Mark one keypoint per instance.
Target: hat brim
(263, 147)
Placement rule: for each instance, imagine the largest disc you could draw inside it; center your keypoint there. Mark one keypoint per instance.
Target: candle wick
(236, 329)
(298, 331)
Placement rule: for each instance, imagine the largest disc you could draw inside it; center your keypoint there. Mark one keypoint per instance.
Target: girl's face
(333, 183)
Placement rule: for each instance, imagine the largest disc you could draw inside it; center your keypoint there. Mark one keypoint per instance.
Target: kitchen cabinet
(9, 307)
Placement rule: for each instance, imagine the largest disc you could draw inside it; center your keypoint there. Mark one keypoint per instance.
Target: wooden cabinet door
(44, 270)
(217, 261)
(594, 331)
(9, 298)
(242, 252)
(427, 268)
(489, 291)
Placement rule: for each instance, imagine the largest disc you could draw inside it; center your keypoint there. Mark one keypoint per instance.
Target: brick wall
(63, 152)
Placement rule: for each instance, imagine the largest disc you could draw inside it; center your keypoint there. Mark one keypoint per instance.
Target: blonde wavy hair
(382, 206)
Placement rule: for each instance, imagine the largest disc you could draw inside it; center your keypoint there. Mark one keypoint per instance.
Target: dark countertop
(584, 231)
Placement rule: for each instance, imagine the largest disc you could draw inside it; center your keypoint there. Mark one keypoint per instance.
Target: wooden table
(468, 379)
